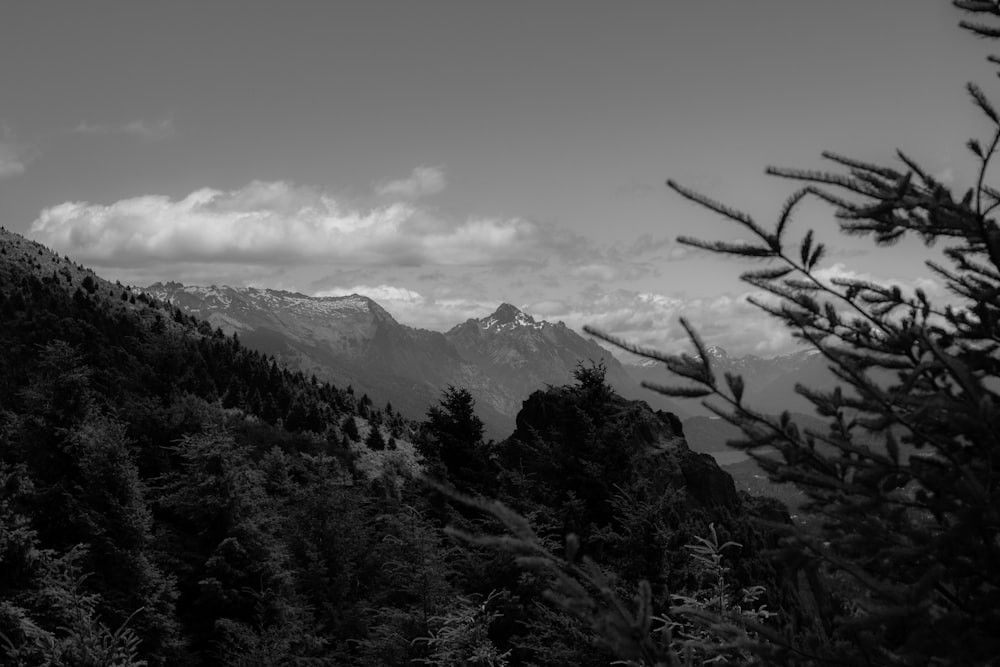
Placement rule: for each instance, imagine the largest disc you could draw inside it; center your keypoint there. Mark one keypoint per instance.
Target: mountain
(352, 340)
(138, 344)
(511, 346)
(173, 497)
(349, 340)
(148, 464)
(770, 382)
(523, 354)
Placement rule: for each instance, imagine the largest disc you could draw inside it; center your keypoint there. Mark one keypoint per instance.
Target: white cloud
(730, 321)
(421, 182)
(933, 288)
(11, 163)
(380, 293)
(437, 313)
(280, 223)
(653, 320)
(143, 129)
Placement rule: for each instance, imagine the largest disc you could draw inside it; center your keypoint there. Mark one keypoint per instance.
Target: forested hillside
(171, 497)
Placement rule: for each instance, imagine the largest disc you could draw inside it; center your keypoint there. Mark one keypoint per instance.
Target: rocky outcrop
(709, 484)
(590, 444)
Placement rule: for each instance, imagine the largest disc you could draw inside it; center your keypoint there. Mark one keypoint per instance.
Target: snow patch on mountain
(509, 318)
(214, 298)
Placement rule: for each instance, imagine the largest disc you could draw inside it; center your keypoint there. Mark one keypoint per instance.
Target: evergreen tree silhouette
(906, 476)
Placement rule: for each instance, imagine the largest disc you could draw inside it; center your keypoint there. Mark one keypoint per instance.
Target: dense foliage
(172, 497)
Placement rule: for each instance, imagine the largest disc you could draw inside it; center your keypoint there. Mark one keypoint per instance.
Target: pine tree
(455, 438)
(350, 428)
(906, 478)
(375, 440)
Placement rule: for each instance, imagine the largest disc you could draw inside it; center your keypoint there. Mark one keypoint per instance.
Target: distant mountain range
(501, 358)
(770, 382)
(352, 340)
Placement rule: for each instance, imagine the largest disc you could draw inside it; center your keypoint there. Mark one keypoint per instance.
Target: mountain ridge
(349, 340)
(352, 340)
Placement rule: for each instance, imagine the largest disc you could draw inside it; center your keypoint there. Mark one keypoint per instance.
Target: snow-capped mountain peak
(215, 298)
(508, 317)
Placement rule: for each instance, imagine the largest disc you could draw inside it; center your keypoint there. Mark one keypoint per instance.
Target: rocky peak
(507, 313)
(508, 317)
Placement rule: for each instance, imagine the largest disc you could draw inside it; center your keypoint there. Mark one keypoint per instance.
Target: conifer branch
(786, 213)
(740, 249)
(941, 395)
(718, 207)
(982, 102)
(981, 29)
(978, 6)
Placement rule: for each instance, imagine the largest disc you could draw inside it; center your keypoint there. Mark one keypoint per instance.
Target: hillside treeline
(172, 497)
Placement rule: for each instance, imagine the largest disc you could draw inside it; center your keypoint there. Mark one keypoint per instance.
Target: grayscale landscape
(499, 334)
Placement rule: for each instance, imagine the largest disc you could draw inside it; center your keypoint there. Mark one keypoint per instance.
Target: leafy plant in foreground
(631, 629)
(462, 634)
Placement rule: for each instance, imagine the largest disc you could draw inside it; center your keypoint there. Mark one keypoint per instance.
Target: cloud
(148, 130)
(936, 291)
(380, 293)
(11, 163)
(652, 320)
(437, 313)
(422, 182)
(280, 223)
(932, 287)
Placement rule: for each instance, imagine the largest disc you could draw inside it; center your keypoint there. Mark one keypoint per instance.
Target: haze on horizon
(444, 157)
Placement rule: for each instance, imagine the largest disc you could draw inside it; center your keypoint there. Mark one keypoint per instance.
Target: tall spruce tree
(454, 439)
(906, 477)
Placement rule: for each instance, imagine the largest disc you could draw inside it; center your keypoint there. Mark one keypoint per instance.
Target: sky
(443, 157)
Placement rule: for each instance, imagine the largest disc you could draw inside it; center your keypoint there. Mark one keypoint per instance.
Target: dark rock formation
(707, 482)
(590, 445)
